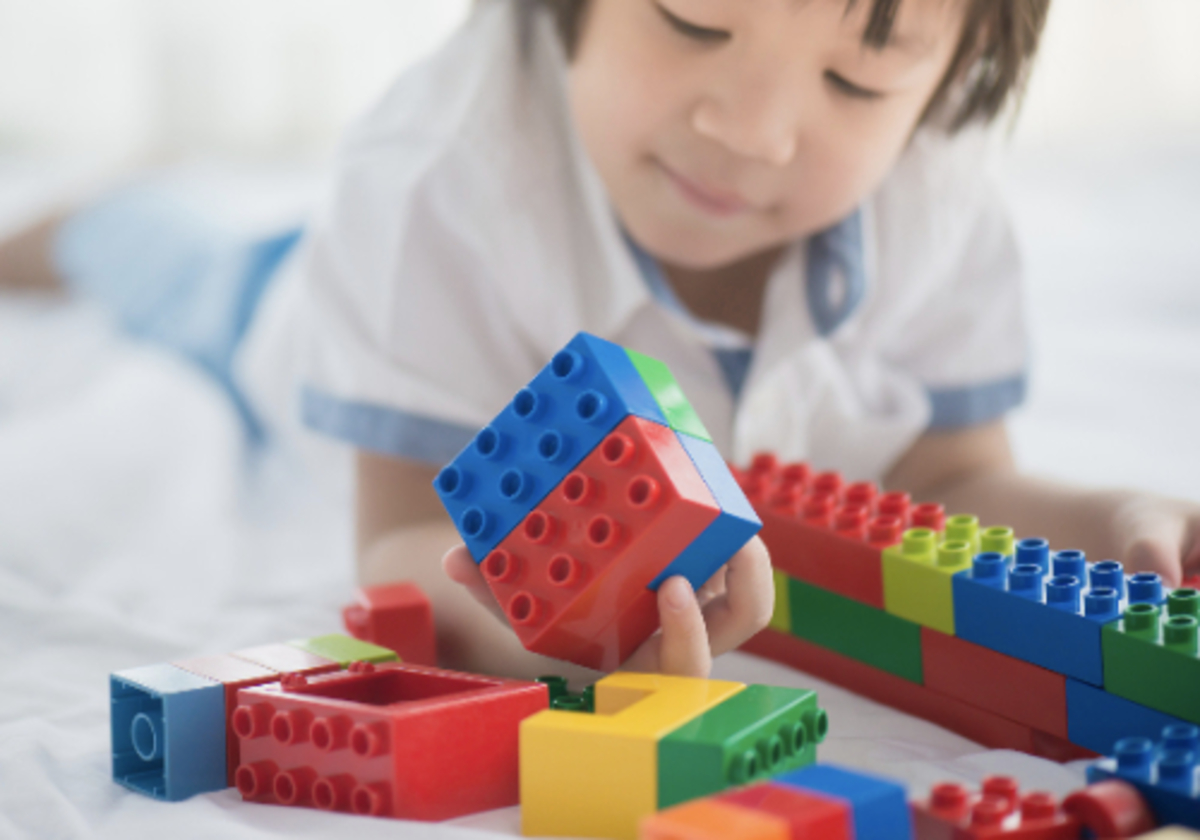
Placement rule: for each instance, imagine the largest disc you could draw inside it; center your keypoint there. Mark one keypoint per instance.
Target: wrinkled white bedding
(133, 530)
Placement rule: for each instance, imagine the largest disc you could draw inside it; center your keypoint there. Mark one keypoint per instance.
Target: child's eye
(691, 30)
(847, 87)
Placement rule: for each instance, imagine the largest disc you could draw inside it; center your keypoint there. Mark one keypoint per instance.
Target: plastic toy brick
(573, 578)
(343, 650)
(1110, 809)
(168, 732)
(1151, 656)
(918, 575)
(670, 397)
(392, 740)
(1097, 719)
(1050, 620)
(995, 682)
(758, 732)
(952, 812)
(597, 775)
(735, 524)
(781, 616)
(856, 630)
(1171, 833)
(397, 616)
(1164, 773)
(549, 427)
(710, 819)
(809, 816)
(878, 806)
(287, 659)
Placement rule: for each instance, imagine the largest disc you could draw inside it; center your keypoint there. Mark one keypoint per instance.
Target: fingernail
(678, 593)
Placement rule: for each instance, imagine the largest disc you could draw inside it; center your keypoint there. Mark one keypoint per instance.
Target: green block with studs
(781, 617)
(856, 630)
(670, 398)
(1150, 655)
(343, 649)
(918, 573)
(757, 733)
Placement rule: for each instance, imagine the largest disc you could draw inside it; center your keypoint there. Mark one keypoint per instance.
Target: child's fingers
(1154, 540)
(461, 568)
(748, 602)
(683, 646)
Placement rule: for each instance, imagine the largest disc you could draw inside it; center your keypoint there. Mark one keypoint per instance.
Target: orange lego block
(710, 819)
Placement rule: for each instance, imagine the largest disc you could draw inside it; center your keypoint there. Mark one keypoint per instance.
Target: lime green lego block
(856, 630)
(757, 733)
(343, 650)
(781, 617)
(918, 576)
(1150, 655)
(669, 396)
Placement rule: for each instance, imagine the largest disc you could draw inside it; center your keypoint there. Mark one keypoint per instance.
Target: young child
(785, 201)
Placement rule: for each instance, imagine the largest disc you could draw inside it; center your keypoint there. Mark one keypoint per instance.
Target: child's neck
(730, 295)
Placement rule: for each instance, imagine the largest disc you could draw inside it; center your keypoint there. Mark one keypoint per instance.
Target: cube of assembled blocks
(593, 486)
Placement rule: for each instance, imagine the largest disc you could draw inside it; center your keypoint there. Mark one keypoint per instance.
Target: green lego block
(343, 650)
(1151, 657)
(757, 733)
(781, 618)
(856, 630)
(669, 396)
(918, 575)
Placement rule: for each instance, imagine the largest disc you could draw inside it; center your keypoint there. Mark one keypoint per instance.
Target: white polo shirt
(468, 237)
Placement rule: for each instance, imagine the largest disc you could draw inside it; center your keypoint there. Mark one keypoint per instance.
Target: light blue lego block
(168, 732)
(1097, 719)
(1165, 773)
(551, 424)
(879, 806)
(736, 523)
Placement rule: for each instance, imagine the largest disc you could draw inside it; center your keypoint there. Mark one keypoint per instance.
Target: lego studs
(253, 721)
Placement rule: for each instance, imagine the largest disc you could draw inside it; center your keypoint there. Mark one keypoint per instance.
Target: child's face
(722, 128)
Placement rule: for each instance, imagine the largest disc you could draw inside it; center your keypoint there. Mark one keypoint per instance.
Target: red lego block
(397, 616)
(572, 577)
(809, 817)
(995, 682)
(821, 532)
(998, 810)
(1111, 809)
(393, 740)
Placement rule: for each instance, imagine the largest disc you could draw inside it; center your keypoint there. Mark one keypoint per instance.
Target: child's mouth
(711, 200)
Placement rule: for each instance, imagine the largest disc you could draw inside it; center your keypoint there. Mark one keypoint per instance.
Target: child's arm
(972, 471)
(403, 530)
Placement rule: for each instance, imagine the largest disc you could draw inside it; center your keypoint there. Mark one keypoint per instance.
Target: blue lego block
(1050, 619)
(879, 806)
(1166, 773)
(168, 732)
(736, 523)
(1097, 720)
(551, 424)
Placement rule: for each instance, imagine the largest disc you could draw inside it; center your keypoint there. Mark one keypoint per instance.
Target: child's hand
(1158, 535)
(696, 627)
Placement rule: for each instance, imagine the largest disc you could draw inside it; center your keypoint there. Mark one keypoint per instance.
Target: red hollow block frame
(397, 616)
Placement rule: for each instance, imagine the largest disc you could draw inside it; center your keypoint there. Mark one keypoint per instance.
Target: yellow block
(781, 618)
(917, 577)
(596, 775)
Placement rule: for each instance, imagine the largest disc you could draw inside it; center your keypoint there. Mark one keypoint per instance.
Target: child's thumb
(685, 650)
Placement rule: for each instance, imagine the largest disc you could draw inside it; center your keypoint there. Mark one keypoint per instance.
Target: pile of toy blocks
(1000, 640)
(595, 484)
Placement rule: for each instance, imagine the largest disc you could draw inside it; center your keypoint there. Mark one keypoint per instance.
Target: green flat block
(343, 649)
(781, 618)
(1150, 655)
(854, 629)
(669, 396)
(757, 733)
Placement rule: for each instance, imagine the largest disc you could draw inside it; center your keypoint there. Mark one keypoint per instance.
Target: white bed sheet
(133, 531)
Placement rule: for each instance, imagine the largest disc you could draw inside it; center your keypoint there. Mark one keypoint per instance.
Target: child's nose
(757, 119)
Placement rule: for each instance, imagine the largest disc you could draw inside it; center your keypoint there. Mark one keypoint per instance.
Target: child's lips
(712, 200)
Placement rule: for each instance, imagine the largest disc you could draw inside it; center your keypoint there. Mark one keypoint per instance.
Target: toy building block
(736, 521)
(781, 615)
(879, 810)
(995, 682)
(1097, 719)
(672, 402)
(541, 435)
(1173, 832)
(168, 732)
(596, 775)
(758, 732)
(393, 740)
(1151, 655)
(287, 659)
(856, 630)
(343, 650)
(397, 616)
(711, 819)
(1110, 809)
(1164, 773)
(1055, 620)
(809, 816)
(952, 812)
(573, 578)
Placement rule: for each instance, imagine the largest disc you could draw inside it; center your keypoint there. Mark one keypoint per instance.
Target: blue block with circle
(1097, 720)
(879, 807)
(168, 732)
(1046, 611)
(1166, 773)
(547, 429)
(736, 523)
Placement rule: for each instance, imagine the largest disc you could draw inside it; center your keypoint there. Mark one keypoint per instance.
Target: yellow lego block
(917, 577)
(596, 775)
(781, 618)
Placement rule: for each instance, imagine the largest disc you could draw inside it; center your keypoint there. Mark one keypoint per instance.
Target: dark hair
(991, 62)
